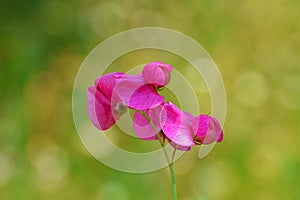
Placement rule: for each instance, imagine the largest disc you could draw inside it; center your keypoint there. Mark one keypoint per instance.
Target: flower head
(113, 93)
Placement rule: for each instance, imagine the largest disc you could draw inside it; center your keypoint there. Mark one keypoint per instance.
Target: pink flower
(186, 130)
(138, 91)
(157, 73)
(104, 107)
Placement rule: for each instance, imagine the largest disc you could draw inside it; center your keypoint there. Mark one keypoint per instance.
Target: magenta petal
(145, 97)
(220, 139)
(157, 73)
(200, 125)
(155, 114)
(176, 126)
(99, 109)
(106, 83)
(136, 94)
(143, 128)
(207, 129)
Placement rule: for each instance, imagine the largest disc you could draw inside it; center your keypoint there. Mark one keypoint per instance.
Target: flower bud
(207, 130)
(157, 73)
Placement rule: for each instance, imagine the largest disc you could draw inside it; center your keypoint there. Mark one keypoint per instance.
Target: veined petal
(106, 83)
(143, 129)
(200, 125)
(99, 109)
(157, 73)
(136, 94)
(176, 125)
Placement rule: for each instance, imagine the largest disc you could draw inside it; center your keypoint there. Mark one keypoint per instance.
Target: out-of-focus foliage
(256, 46)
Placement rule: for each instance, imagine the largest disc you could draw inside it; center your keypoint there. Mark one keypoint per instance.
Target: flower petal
(200, 125)
(218, 129)
(136, 94)
(99, 109)
(106, 83)
(176, 126)
(143, 128)
(157, 73)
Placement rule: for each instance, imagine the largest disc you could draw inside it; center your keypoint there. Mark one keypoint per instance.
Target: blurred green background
(256, 47)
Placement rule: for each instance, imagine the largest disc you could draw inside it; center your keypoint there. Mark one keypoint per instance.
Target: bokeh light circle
(96, 142)
(288, 94)
(251, 89)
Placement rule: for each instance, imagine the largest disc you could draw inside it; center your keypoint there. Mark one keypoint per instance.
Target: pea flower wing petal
(176, 125)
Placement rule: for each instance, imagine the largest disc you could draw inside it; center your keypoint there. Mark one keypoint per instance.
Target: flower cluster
(154, 118)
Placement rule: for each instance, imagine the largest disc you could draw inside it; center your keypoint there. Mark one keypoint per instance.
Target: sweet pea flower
(104, 107)
(139, 91)
(157, 73)
(186, 130)
(154, 119)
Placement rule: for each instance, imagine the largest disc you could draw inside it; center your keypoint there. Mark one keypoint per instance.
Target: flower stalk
(173, 181)
(170, 162)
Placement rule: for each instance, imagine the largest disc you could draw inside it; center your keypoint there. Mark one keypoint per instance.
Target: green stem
(166, 154)
(174, 152)
(173, 181)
